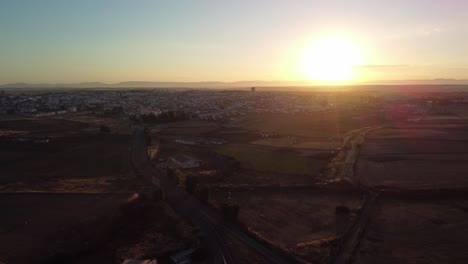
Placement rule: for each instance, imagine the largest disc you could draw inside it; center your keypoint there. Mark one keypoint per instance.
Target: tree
(158, 195)
(174, 174)
(203, 194)
(341, 219)
(191, 183)
(147, 132)
(105, 129)
(230, 211)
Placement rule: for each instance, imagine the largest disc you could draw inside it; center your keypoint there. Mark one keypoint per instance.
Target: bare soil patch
(300, 222)
(73, 159)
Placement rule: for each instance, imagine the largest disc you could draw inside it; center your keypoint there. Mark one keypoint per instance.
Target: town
(215, 104)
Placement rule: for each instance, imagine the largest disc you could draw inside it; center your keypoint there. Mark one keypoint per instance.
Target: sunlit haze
(331, 59)
(112, 41)
(234, 131)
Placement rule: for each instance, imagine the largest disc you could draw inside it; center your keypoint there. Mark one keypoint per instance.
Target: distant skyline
(113, 41)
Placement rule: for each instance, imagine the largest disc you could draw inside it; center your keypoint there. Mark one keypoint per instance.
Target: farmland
(69, 195)
(420, 171)
(262, 160)
(274, 151)
(297, 221)
(411, 157)
(299, 143)
(416, 232)
(85, 228)
(31, 221)
(73, 160)
(325, 125)
(94, 121)
(267, 159)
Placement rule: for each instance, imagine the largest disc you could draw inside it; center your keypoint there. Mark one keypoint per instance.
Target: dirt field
(417, 232)
(71, 161)
(415, 157)
(53, 202)
(30, 223)
(297, 221)
(86, 228)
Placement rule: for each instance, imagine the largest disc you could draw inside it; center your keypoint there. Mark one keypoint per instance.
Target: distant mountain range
(421, 82)
(143, 84)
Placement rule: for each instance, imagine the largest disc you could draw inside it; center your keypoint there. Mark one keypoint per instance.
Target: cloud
(419, 32)
(382, 66)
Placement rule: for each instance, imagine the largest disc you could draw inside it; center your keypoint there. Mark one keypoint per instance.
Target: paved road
(217, 234)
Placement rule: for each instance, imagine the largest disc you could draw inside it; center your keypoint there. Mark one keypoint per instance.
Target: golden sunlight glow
(331, 59)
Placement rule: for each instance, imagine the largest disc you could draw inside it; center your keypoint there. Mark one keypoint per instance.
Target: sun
(331, 60)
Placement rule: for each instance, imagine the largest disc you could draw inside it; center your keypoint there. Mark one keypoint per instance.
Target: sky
(65, 41)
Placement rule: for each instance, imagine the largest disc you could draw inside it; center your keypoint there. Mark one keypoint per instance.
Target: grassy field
(116, 124)
(187, 128)
(268, 159)
(422, 131)
(328, 125)
(298, 142)
(43, 127)
(318, 126)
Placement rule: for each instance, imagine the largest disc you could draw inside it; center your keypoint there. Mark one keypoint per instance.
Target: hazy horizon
(241, 83)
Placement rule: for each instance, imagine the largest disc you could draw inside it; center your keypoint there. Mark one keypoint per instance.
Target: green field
(269, 159)
(318, 126)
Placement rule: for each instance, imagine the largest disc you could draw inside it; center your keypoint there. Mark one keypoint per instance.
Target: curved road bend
(217, 233)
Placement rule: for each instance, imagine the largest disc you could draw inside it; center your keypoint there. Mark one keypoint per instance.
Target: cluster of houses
(24, 139)
(200, 104)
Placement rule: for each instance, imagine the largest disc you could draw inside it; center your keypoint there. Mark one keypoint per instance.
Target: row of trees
(164, 117)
